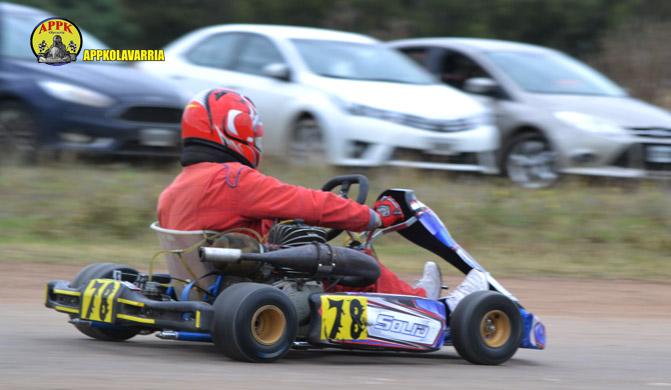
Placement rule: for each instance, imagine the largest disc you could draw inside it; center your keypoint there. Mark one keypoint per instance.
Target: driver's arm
(265, 197)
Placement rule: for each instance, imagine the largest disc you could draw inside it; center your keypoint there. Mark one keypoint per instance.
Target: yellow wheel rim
(268, 323)
(495, 328)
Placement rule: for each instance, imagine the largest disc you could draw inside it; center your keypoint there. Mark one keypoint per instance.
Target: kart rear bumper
(111, 303)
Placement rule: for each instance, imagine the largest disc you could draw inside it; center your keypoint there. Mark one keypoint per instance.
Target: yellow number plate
(98, 300)
(343, 317)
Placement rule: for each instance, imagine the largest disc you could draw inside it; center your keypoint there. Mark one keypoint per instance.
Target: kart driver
(220, 187)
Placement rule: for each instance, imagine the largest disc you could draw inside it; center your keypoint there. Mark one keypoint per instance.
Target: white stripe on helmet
(230, 121)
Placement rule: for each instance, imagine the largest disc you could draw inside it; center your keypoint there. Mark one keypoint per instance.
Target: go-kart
(256, 300)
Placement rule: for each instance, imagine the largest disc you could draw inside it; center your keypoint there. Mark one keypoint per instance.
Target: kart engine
(297, 233)
(298, 292)
(280, 236)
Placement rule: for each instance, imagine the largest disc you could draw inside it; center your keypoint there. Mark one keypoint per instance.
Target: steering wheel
(345, 182)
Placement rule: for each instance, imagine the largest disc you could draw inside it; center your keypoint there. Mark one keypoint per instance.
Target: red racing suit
(223, 196)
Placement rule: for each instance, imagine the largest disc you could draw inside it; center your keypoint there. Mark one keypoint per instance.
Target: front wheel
(105, 271)
(486, 328)
(254, 322)
(529, 161)
(18, 133)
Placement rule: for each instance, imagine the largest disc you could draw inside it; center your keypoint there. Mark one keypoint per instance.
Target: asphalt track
(605, 334)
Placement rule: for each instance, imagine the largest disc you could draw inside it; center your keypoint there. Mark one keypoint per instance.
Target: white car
(340, 97)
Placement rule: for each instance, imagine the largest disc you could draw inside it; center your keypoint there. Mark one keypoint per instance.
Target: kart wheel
(254, 323)
(103, 271)
(486, 328)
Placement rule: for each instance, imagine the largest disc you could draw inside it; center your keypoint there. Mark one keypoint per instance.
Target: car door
(454, 67)
(271, 96)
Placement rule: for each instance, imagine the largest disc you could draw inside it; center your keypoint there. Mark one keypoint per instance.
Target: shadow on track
(193, 352)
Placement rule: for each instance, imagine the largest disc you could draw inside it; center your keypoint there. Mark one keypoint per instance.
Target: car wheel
(105, 271)
(530, 162)
(18, 133)
(307, 143)
(486, 328)
(254, 322)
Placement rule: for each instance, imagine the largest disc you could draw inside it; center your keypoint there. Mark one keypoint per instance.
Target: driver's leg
(390, 283)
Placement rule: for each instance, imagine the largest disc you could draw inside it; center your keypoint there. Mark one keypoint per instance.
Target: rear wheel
(529, 161)
(486, 328)
(307, 143)
(104, 271)
(254, 322)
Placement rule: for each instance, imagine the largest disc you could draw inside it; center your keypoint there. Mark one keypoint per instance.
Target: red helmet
(226, 118)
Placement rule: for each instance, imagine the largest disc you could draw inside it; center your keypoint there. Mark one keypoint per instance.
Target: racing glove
(389, 211)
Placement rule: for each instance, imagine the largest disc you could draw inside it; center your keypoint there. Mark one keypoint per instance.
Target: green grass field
(75, 213)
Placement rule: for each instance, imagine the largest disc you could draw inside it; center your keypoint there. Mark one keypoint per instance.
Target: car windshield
(15, 30)
(553, 73)
(359, 61)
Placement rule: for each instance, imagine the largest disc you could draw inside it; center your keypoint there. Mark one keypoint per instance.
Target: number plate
(98, 300)
(343, 317)
(658, 154)
(442, 147)
(159, 137)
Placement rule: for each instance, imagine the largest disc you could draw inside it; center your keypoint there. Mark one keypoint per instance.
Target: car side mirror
(482, 86)
(277, 71)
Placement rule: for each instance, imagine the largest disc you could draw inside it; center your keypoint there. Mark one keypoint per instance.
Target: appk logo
(56, 41)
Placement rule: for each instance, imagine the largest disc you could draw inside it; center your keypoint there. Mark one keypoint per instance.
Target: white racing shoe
(475, 281)
(431, 281)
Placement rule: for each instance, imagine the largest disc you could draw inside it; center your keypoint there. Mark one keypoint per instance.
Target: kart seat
(180, 248)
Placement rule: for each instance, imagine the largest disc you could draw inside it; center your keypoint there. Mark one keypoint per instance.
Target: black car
(87, 107)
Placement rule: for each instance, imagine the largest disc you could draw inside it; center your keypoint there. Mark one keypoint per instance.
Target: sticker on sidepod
(343, 317)
(394, 325)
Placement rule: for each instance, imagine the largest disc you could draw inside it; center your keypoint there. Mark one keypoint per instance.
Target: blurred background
(540, 161)
(625, 39)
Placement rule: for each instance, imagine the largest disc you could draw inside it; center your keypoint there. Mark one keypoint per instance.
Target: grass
(74, 213)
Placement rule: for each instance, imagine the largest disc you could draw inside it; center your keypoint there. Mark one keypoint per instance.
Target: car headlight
(483, 119)
(75, 94)
(590, 123)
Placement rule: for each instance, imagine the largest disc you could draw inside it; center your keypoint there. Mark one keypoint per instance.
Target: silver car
(556, 114)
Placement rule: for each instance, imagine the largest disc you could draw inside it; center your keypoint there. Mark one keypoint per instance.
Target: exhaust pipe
(317, 260)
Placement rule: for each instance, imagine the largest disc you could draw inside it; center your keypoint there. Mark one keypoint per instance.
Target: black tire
(103, 271)
(472, 337)
(307, 143)
(539, 170)
(254, 323)
(18, 133)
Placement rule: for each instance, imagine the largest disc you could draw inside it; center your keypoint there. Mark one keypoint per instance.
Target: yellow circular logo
(56, 41)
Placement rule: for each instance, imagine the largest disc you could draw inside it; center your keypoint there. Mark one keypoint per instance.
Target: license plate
(158, 137)
(442, 147)
(658, 154)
